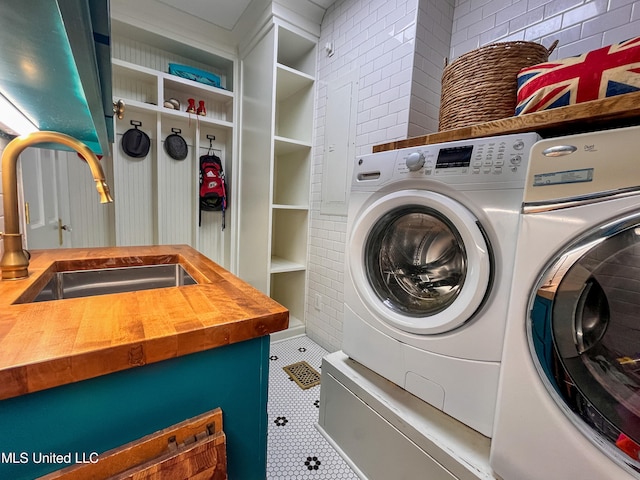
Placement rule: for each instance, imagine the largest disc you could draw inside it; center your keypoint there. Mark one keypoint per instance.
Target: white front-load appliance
(569, 393)
(430, 244)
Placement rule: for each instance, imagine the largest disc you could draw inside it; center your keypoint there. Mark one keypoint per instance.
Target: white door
(46, 199)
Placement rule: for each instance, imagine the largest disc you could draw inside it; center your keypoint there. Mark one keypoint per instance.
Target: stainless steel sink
(86, 283)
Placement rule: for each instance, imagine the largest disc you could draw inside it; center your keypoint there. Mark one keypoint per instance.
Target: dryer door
(584, 331)
(420, 261)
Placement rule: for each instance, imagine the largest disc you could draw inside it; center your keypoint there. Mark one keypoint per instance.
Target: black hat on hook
(175, 145)
(135, 143)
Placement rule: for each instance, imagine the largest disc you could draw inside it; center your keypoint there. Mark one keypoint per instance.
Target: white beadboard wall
(148, 56)
(361, 32)
(91, 221)
(134, 193)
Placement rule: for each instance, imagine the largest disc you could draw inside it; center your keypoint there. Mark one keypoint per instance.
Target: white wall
(432, 42)
(579, 25)
(392, 90)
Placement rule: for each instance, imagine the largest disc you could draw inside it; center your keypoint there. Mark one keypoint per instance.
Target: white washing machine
(569, 395)
(430, 245)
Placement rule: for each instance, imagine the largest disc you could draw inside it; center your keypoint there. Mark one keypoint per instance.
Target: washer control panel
(494, 156)
(488, 161)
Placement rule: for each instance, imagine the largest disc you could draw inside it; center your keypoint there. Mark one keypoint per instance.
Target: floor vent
(303, 374)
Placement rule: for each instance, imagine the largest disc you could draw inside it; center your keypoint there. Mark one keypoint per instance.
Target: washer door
(420, 261)
(584, 331)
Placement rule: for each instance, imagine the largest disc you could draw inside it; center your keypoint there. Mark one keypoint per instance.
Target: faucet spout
(15, 262)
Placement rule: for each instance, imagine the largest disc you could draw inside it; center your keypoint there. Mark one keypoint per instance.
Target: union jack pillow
(600, 73)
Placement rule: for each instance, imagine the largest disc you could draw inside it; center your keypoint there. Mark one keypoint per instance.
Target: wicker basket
(481, 85)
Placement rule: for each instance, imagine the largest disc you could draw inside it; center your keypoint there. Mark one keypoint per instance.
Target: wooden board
(206, 460)
(193, 449)
(622, 110)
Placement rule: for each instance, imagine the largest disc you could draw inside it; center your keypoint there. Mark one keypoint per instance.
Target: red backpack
(213, 186)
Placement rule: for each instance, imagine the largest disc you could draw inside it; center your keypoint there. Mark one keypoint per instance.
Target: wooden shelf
(613, 112)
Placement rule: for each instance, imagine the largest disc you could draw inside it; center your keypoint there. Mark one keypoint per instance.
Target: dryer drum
(592, 316)
(588, 342)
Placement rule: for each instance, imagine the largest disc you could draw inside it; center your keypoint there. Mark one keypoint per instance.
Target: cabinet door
(339, 147)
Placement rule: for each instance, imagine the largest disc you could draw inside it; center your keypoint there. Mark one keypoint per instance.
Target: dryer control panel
(581, 168)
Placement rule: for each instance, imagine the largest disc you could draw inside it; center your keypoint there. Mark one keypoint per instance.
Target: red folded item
(628, 446)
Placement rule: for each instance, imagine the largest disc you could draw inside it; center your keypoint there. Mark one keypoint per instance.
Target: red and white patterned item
(605, 72)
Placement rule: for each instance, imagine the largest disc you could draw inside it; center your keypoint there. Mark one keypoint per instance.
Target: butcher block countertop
(612, 112)
(52, 343)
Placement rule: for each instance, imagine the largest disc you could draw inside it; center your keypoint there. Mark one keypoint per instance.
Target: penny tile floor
(295, 448)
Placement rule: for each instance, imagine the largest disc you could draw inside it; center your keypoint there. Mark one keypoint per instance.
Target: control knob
(415, 161)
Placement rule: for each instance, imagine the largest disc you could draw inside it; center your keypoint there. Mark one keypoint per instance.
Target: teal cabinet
(93, 416)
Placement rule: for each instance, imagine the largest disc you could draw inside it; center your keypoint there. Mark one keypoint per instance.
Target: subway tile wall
(361, 32)
(375, 38)
(398, 49)
(578, 25)
(432, 43)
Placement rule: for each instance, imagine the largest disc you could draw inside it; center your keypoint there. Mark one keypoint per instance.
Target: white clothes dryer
(569, 394)
(431, 239)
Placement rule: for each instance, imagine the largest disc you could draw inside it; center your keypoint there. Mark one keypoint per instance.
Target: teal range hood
(55, 66)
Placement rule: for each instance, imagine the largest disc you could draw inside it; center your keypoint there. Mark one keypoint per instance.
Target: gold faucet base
(14, 264)
(15, 274)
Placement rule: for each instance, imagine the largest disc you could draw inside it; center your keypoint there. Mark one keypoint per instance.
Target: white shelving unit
(157, 196)
(279, 265)
(146, 89)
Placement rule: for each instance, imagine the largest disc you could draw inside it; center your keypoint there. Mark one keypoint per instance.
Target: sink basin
(86, 283)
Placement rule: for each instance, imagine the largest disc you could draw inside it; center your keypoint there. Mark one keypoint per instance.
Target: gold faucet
(15, 262)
